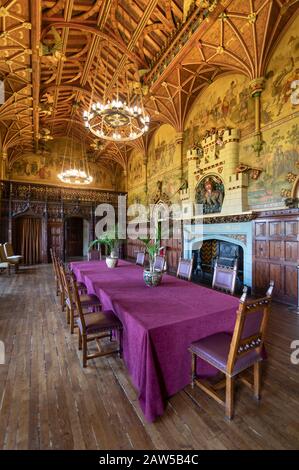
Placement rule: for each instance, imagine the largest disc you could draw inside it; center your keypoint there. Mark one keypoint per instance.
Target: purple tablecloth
(159, 325)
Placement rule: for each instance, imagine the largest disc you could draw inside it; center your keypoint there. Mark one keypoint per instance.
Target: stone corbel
(252, 172)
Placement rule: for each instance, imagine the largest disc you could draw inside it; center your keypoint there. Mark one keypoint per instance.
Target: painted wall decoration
(135, 169)
(162, 151)
(279, 157)
(225, 103)
(282, 70)
(44, 169)
(210, 193)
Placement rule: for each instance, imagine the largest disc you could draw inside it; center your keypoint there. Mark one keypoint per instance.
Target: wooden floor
(47, 401)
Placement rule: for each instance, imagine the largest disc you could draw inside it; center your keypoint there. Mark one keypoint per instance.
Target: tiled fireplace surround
(239, 233)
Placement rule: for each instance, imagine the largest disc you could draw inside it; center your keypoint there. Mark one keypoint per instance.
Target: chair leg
(72, 321)
(80, 341)
(120, 339)
(68, 315)
(257, 380)
(84, 345)
(229, 399)
(193, 369)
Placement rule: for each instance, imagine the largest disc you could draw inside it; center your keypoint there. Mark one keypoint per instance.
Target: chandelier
(74, 169)
(120, 116)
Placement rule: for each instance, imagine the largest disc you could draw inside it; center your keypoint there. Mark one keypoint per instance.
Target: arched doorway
(76, 237)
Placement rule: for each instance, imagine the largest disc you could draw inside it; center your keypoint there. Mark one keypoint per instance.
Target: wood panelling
(276, 253)
(56, 237)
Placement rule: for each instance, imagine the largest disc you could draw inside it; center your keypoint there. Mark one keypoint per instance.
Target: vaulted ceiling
(57, 55)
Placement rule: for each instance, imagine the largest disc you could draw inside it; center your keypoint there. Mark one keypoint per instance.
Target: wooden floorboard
(47, 400)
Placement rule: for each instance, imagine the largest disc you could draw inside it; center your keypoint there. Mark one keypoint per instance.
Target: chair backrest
(53, 262)
(94, 255)
(159, 263)
(224, 277)
(250, 327)
(3, 256)
(77, 301)
(8, 249)
(140, 258)
(58, 273)
(65, 284)
(185, 268)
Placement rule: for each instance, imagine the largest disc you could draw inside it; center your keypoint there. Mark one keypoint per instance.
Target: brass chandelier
(74, 170)
(120, 116)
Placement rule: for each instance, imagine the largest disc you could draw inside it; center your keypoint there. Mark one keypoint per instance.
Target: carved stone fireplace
(239, 233)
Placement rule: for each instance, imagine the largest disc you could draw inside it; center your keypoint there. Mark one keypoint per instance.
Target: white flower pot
(111, 262)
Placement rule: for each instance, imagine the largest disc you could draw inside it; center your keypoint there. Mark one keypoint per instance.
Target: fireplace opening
(205, 257)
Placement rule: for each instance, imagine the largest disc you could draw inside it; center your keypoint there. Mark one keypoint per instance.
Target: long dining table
(159, 324)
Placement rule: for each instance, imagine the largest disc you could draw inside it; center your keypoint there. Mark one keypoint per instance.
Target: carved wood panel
(276, 255)
(56, 237)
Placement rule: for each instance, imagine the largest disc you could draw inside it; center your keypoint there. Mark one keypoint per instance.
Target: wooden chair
(233, 354)
(94, 327)
(11, 261)
(140, 258)
(159, 263)
(53, 259)
(94, 255)
(184, 270)
(225, 277)
(10, 253)
(89, 302)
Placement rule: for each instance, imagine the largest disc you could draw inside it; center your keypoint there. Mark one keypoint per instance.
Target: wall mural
(135, 169)
(39, 168)
(282, 71)
(278, 158)
(225, 103)
(162, 151)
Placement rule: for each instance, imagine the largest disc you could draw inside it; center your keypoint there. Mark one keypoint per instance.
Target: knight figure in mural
(210, 193)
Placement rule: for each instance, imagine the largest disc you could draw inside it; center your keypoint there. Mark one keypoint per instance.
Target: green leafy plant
(152, 247)
(109, 239)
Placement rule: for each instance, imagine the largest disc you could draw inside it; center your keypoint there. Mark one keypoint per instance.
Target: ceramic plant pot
(152, 278)
(111, 261)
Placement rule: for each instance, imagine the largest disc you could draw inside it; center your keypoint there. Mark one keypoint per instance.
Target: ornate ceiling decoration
(48, 60)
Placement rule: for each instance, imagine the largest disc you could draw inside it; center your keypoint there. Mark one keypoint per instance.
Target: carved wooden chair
(94, 327)
(140, 258)
(89, 302)
(185, 267)
(225, 277)
(233, 354)
(159, 263)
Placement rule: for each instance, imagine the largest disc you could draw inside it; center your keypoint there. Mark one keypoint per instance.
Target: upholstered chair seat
(99, 321)
(215, 350)
(87, 300)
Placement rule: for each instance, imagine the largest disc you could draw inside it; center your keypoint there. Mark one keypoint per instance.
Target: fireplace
(233, 237)
(225, 252)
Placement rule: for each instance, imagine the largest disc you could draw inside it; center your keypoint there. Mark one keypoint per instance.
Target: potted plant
(152, 277)
(110, 240)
